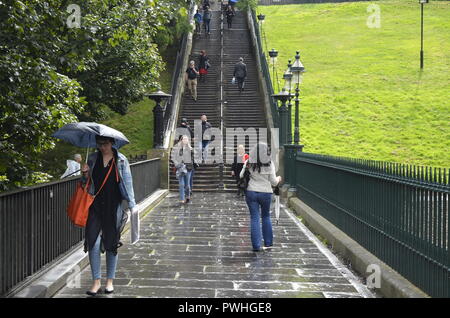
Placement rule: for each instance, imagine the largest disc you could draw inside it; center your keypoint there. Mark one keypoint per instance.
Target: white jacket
(72, 166)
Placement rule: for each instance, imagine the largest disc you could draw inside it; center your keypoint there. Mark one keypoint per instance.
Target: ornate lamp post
(273, 56)
(283, 97)
(297, 70)
(158, 116)
(261, 18)
(287, 76)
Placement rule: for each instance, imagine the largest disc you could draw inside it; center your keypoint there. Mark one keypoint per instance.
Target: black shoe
(187, 200)
(94, 294)
(107, 291)
(256, 250)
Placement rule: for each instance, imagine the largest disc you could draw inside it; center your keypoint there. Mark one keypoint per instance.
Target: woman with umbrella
(259, 194)
(111, 168)
(108, 176)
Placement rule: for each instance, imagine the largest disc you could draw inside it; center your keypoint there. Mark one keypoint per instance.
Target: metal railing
(174, 84)
(397, 212)
(35, 230)
(169, 116)
(265, 71)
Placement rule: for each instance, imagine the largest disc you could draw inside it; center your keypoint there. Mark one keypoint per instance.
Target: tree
(52, 74)
(35, 99)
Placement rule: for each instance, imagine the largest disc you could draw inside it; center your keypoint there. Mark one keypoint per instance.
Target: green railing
(397, 212)
(265, 71)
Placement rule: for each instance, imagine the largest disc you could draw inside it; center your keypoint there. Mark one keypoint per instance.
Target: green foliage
(35, 99)
(245, 5)
(363, 94)
(51, 74)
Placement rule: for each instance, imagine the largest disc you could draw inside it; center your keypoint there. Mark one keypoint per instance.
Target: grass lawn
(363, 94)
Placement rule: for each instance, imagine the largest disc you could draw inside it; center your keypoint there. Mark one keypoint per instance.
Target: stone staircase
(219, 99)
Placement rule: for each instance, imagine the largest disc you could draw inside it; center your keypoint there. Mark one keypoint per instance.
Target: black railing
(35, 230)
(137, 158)
(265, 71)
(174, 84)
(397, 212)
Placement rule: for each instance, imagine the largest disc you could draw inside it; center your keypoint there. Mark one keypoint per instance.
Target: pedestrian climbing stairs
(219, 99)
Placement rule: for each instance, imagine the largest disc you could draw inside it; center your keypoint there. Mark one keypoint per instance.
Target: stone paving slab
(203, 249)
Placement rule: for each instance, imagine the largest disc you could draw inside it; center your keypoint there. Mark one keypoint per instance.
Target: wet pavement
(203, 249)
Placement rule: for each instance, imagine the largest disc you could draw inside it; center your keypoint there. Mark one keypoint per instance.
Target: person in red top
(203, 66)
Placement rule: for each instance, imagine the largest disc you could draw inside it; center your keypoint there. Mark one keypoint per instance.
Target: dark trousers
(240, 81)
(206, 22)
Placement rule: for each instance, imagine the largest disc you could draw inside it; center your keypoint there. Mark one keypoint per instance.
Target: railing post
(290, 157)
(158, 128)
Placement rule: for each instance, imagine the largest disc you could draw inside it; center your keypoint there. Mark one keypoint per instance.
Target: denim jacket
(125, 177)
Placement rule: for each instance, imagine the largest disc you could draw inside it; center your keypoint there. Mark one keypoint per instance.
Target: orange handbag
(78, 208)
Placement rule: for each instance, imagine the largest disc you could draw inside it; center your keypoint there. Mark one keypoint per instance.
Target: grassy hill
(363, 94)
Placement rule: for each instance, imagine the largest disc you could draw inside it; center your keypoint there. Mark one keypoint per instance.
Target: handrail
(264, 68)
(177, 89)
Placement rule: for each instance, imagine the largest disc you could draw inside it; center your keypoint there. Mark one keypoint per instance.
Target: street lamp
(283, 97)
(273, 56)
(297, 70)
(261, 18)
(422, 2)
(287, 76)
(158, 116)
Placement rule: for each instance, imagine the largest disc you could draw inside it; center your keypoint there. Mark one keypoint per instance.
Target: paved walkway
(204, 250)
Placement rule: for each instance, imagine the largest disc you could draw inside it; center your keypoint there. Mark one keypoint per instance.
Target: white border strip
(362, 289)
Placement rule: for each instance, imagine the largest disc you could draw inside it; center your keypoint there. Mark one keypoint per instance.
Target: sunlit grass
(363, 94)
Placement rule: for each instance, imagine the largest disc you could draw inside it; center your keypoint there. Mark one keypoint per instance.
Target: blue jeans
(259, 206)
(206, 22)
(184, 185)
(204, 148)
(95, 262)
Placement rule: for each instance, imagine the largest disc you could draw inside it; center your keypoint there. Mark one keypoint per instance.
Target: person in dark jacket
(238, 164)
(207, 15)
(191, 79)
(240, 73)
(229, 13)
(203, 65)
(184, 124)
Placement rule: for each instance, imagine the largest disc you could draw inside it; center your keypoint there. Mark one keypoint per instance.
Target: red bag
(78, 208)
